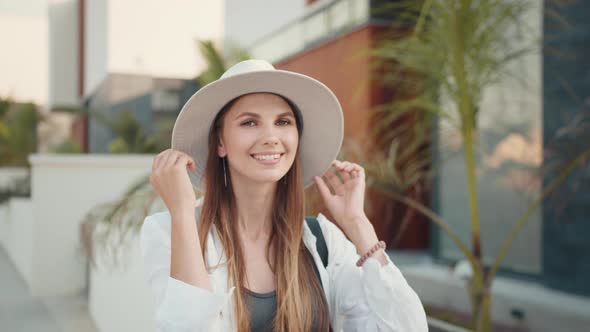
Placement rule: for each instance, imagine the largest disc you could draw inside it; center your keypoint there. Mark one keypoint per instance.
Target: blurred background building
(134, 56)
(141, 59)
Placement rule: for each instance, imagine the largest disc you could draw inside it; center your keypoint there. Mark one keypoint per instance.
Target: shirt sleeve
(371, 297)
(180, 307)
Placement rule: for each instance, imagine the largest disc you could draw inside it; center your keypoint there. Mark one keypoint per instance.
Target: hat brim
(321, 112)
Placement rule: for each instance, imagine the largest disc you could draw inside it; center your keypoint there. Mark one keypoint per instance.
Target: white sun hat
(319, 108)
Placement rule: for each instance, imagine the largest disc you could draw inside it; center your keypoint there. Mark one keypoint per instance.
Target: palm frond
(18, 132)
(215, 63)
(107, 227)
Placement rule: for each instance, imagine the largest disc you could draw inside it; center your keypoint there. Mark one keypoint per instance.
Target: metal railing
(323, 23)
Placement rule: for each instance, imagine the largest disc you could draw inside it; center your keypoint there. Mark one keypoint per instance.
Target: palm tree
(446, 55)
(131, 137)
(218, 63)
(67, 146)
(4, 107)
(18, 132)
(18, 139)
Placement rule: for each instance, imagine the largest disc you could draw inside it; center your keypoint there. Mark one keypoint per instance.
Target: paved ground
(21, 312)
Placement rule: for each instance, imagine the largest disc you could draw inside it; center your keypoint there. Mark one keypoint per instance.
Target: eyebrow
(256, 115)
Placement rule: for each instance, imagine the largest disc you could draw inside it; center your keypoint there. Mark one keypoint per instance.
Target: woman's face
(259, 138)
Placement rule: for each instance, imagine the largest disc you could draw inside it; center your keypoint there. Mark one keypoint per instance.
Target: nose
(270, 135)
(270, 141)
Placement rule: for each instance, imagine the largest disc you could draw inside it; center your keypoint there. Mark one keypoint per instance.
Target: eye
(284, 122)
(248, 123)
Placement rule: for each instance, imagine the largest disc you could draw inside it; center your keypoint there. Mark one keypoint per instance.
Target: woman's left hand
(346, 205)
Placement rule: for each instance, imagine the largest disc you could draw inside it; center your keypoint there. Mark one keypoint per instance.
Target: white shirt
(367, 298)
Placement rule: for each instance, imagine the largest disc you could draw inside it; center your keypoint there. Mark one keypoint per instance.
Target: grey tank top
(262, 307)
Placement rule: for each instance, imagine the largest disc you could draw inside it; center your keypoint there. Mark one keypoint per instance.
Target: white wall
(64, 189)
(120, 299)
(19, 240)
(95, 44)
(41, 236)
(314, 23)
(24, 55)
(7, 175)
(16, 223)
(63, 52)
(247, 21)
(4, 225)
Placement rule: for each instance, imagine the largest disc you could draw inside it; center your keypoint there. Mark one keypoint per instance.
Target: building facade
(109, 53)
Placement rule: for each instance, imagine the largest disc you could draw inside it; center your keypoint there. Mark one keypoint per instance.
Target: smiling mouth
(267, 159)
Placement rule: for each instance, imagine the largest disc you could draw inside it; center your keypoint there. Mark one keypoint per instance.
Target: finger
(191, 163)
(346, 176)
(336, 163)
(361, 171)
(155, 163)
(170, 159)
(158, 160)
(162, 158)
(340, 164)
(345, 166)
(324, 178)
(322, 187)
(348, 167)
(186, 161)
(335, 182)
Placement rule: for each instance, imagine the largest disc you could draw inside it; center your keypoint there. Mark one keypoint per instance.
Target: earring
(224, 172)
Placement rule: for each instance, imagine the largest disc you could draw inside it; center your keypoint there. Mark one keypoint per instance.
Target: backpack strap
(320, 244)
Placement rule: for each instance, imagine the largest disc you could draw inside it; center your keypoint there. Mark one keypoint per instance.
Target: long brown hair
(299, 294)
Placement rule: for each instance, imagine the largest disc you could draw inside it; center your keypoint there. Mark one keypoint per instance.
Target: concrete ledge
(92, 160)
(63, 189)
(544, 309)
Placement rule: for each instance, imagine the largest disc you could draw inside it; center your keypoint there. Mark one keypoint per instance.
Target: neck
(254, 204)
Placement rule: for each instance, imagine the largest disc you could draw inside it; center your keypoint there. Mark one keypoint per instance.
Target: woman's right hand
(170, 179)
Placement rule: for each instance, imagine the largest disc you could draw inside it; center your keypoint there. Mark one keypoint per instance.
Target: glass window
(165, 100)
(509, 155)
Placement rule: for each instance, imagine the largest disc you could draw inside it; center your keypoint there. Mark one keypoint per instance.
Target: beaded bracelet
(379, 245)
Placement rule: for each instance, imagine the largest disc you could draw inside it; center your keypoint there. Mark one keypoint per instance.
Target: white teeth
(267, 156)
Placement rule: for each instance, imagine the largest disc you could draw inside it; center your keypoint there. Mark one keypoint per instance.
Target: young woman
(242, 258)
